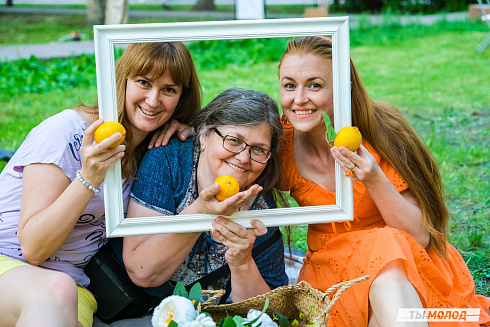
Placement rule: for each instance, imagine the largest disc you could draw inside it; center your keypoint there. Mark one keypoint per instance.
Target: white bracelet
(84, 182)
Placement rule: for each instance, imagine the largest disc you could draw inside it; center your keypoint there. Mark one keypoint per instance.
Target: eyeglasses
(236, 145)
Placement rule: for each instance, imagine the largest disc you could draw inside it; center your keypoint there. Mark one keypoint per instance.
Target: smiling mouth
(149, 113)
(303, 112)
(235, 167)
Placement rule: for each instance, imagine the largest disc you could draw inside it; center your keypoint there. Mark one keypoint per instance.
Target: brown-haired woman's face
(150, 102)
(306, 90)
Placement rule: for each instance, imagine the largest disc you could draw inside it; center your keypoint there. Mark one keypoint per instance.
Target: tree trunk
(116, 12)
(96, 12)
(9, 3)
(204, 5)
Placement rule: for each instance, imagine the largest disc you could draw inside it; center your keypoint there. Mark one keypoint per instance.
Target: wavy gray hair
(241, 107)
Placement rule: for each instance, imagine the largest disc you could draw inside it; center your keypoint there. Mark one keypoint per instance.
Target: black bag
(119, 298)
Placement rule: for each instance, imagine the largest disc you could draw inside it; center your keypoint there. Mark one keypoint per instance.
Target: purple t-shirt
(57, 140)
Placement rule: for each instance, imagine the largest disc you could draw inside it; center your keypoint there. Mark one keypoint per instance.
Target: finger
(259, 227)
(153, 141)
(160, 135)
(229, 228)
(209, 192)
(167, 131)
(185, 132)
(252, 191)
(344, 162)
(106, 143)
(110, 153)
(89, 132)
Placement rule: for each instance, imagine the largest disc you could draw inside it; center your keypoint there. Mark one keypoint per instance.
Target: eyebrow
(308, 80)
(260, 145)
(152, 80)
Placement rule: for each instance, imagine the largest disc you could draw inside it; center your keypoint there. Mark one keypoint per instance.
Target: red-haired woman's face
(306, 90)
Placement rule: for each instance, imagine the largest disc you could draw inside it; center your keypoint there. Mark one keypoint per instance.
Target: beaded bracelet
(84, 182)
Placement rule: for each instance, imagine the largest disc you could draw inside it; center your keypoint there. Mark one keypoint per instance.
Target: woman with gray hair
(238, 134)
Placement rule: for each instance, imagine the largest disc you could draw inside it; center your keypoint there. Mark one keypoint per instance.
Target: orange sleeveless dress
(366, 245)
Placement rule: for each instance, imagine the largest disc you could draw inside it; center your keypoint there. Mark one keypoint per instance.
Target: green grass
(431, 73)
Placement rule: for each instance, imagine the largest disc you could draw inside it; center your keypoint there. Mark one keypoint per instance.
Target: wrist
(87, 184)
(243, 266)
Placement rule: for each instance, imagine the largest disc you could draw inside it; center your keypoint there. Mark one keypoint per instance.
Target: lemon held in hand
(228, 186)
(107, 129)
(348, 137)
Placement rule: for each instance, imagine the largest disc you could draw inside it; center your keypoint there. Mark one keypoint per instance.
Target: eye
(289, 86)
(143, 82)
(234, 141)
(259, 151)
(169, 90)
(314, 86)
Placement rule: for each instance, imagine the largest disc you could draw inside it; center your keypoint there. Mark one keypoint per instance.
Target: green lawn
(431, 73)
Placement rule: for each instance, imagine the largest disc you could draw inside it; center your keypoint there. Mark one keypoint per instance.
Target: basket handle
(216, 294)
(342, 287)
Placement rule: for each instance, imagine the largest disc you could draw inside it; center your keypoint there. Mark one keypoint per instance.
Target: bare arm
(152, 259)
(399, 210)
(51, 204)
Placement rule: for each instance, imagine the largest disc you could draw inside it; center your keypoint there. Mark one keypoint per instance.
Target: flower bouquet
(293, 305)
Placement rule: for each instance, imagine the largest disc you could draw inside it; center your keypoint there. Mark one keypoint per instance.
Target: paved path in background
(76, 48)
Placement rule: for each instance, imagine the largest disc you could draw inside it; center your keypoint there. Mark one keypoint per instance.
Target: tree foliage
(402, 6)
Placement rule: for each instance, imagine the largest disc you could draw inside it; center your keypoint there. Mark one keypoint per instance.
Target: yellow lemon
(228, 186)
(348, 137)
(107, 129)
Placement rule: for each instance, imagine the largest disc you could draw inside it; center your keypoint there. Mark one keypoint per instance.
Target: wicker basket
(288, 300)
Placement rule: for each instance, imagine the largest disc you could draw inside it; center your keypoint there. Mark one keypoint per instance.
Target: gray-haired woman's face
(216, 160)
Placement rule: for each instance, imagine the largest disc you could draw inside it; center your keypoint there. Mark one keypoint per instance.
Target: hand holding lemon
(107, 129)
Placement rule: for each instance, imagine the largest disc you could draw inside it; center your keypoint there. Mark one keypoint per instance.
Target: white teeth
(236, 167)
(148, 112)
(303, 112)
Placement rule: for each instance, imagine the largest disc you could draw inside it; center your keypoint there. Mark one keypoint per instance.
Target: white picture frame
(106, 37)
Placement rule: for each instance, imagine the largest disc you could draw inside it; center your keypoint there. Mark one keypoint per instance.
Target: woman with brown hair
(399, 233)
(51, 202)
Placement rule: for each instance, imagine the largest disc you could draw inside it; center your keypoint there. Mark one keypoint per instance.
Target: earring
(202, 149)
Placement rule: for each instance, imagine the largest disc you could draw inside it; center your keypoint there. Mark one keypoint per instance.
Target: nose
(152, 97)
(300, 97)
(244, 155)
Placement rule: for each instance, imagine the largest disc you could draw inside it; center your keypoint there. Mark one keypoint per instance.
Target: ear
(202, 140)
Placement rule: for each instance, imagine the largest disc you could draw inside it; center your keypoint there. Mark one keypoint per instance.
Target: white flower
(176, 308)
(201, 321)
(264, 319)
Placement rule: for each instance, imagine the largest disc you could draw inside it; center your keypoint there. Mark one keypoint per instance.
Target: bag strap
(225, 269)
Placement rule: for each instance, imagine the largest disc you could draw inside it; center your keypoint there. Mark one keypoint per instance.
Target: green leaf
(265, 305)
(295, 323)
(240, 321)
(173, 324)
(229, 322)
(330, 134)
(283, 321)
(180, 290)
(195, 294)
